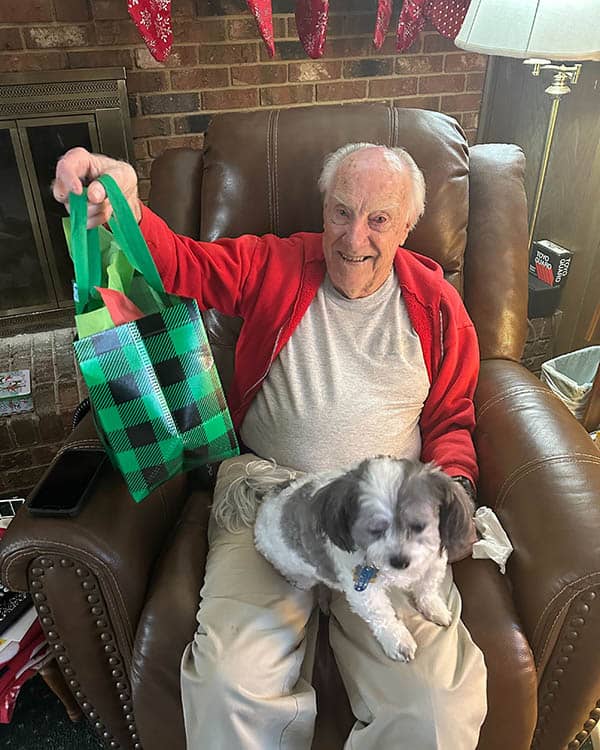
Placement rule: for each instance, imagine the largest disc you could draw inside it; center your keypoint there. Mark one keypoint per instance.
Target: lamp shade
(553, 29)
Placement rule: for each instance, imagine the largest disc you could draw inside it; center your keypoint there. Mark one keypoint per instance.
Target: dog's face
(399, 512)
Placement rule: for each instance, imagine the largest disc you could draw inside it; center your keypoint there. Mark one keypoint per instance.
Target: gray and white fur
(402, 517)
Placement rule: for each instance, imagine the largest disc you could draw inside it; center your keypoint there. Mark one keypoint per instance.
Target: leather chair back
(259, 172)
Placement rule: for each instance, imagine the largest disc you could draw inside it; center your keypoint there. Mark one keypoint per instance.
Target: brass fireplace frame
(97, 97)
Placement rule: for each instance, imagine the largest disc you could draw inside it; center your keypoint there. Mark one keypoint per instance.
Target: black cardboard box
(549, 262)
(543, 299)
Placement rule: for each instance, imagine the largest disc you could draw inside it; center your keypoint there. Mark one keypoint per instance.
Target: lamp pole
(563, 75)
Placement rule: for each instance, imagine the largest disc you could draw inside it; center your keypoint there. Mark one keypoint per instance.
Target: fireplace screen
(41, 117)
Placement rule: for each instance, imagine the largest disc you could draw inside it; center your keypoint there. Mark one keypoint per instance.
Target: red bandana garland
(446, 15)
(153, 20)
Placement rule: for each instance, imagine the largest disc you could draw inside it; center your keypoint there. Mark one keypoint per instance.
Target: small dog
(384, 522)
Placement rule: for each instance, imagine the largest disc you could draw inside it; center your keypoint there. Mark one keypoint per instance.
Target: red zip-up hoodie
(269, 282)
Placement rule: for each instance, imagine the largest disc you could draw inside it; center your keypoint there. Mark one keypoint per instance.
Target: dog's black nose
(399, 562)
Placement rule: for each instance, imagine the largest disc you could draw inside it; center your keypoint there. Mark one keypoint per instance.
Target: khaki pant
(245, 680)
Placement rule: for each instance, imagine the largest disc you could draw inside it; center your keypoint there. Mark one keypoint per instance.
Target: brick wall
(219, 63)
(28, 442)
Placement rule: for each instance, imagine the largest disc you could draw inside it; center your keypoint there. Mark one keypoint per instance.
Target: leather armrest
(118, 538)
(541, 472)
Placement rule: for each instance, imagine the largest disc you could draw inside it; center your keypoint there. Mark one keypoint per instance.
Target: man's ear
(336, 509)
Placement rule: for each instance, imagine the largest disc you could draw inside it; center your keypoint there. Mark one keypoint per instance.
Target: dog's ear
(456, 518)
(336, 509)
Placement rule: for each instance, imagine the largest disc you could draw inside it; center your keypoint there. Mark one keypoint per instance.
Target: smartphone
(66, 487)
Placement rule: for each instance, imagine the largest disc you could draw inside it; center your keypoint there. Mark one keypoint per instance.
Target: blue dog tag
(363, 575)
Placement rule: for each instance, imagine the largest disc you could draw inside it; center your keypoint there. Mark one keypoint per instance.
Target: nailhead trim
(565, 649)
(121, 684)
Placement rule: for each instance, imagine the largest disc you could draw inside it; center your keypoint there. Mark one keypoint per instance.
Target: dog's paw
(434, 610)
(399, 645)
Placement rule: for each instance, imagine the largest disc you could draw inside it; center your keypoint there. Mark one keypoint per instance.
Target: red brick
(245, 28)
(199, 78)
(149, 126)
(25, 430)
(116, 33)
(144, 190)
(233, 99)
(389, 46)
(6, 438)
(244, 75)
(470, 120)
(288, 50)
(419, 102)
(471, 136)
(461, 103)
(142, 82)
(100, 58)
(180, 57)
(10, 38)
(32, 61)
(25, 11)
(44, 396)
(158, 145)
(42, 455)
(206, 8)
(140, 149)
(276, 96)
(315, 70)
(441, 84)
(350, 47)
(142, 167)
(158, 104)
(359, 23)
(25, 478)
(475, 81)
(192, 123)
(109, 9)
(183, 8)
(463, 62)
(15, 460)
(393, 87)
(327, 92)
(72, 10)
(368, 67)
(69, 395)
(59, 37)
(228, 54)
(419, 64)
(188, 30)
(51, 428)
(437, 43)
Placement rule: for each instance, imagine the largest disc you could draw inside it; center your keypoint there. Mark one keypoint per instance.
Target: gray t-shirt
(350, 383)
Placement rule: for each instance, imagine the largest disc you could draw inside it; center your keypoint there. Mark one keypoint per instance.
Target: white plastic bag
(494, 542)
(571, 376)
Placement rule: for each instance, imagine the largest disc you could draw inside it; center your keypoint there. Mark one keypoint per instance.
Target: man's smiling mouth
(353, 259)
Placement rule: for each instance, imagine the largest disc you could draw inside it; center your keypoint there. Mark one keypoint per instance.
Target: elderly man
(351, 346)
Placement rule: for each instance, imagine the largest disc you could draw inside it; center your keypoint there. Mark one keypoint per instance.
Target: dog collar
(363, 575)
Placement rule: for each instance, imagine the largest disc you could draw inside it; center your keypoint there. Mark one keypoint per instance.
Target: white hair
(398, 158)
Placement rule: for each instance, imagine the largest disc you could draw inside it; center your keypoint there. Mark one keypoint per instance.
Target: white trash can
(571, 377)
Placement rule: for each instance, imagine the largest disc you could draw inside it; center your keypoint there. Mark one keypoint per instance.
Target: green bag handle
(86, 247)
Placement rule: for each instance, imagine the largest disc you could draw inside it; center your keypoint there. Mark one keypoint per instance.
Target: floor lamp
(537, 31)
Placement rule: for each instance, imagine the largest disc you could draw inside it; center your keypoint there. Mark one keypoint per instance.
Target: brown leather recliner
(117, 587)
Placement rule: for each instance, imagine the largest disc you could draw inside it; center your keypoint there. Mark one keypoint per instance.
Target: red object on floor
(14, 674)
(446, 15)
(153, 20)
(311, 22)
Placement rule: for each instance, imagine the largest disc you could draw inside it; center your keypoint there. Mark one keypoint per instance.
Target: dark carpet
(40, 722)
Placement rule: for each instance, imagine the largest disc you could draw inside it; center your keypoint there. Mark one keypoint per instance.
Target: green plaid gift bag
(154, 388)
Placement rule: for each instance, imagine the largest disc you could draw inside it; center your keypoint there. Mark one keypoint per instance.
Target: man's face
(365, 218)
